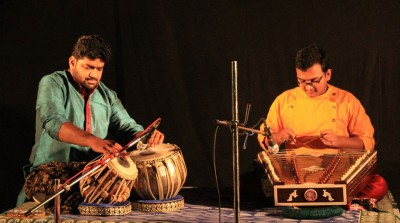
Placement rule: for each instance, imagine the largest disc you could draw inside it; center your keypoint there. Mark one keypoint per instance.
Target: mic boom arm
(145, 135)
(229, 124)
(272, 146)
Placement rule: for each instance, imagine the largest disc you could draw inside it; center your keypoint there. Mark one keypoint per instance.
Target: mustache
(92, 79)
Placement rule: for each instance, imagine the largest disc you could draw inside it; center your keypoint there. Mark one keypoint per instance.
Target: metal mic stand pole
(67, 186)
(235, 142)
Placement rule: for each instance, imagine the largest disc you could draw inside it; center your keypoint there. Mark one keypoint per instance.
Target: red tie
(86, 98)
(88, 117)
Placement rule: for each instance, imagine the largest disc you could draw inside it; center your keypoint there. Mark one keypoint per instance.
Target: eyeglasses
(310, 82)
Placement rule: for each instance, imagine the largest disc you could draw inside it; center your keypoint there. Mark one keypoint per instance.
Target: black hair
(92, 47)
(312, 54)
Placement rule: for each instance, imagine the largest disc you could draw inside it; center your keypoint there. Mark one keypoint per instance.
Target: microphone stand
(95, 167)
(235, 142)
(235, 126)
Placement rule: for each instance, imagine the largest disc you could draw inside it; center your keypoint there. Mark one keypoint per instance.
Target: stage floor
(202, 206)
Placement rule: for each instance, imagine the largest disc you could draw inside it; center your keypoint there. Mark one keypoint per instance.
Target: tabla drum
(111, 183)
(161, 172)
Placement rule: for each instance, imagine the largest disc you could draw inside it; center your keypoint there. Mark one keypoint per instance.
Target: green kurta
(59, 100)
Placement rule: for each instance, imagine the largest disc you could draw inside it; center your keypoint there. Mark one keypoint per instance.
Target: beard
(88, 83)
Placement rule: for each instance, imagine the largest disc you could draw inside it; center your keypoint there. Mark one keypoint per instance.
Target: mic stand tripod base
(19, 212)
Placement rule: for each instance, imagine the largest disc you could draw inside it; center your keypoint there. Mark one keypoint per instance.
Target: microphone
(149, 131)
(272, 146)
(226, 123)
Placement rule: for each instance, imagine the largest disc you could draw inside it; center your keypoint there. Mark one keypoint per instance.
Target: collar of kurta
(84, 92)
(86, 98)
(331, 94)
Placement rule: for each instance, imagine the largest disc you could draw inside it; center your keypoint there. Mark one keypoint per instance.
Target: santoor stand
(97, 165)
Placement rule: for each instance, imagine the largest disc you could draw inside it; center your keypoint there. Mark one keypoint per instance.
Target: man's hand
(69, 133)
(105, 146)
(329, 138)
(286, 135)
(156, 139)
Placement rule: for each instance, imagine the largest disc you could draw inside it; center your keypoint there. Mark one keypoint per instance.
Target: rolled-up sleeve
(50, 107)
(360, 124)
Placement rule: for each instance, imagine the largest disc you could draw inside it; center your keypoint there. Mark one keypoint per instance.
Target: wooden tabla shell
(161, 172)
(112, 183)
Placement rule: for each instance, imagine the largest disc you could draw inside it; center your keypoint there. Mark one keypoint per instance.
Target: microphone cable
(216, 175)
(215, 164)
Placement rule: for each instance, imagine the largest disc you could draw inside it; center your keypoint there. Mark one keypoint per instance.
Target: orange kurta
(336, 109)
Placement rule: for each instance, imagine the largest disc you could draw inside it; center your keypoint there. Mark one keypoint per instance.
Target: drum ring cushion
(122, 208)
(165, 205)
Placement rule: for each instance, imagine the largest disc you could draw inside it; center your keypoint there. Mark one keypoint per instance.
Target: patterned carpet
(195, 212)
(191, 213)
(389, 211)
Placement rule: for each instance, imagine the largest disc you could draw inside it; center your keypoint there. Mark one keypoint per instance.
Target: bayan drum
(110, 184)
(161, 172)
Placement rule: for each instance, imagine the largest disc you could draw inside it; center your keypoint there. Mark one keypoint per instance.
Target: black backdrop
(172, 59)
